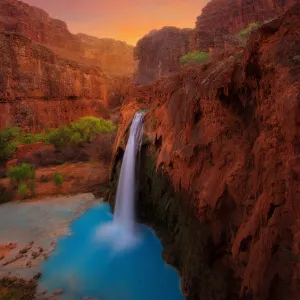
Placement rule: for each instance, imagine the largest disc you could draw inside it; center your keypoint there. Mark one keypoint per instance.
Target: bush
(58, 180)
(89, 127)
(194, 58)
(22, 189)
(245, 32)
(82, 130)
(21, 174)
(60, 137)
(8, 144)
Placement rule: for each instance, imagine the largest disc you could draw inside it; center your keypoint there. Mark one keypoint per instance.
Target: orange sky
(126, 20)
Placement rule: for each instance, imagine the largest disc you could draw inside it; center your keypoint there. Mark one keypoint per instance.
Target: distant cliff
(49, 76)
(158, 53)
(114, 57)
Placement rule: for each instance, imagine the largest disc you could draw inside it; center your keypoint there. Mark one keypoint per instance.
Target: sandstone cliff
(50, 77)
(36, 24)
(158, 53)
(220, 168)
(39, 89)
(221, 17)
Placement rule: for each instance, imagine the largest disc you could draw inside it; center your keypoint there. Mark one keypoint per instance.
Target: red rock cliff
(220, 17)
(158, 53)
(49, 76)
(39, 89)
(226, 135)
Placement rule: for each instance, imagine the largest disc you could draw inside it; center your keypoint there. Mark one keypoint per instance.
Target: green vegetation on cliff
(246, 31)
(196, 57)
(83, 130)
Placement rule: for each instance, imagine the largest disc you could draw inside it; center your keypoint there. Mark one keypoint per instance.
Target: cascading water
(124, 209)
(112, 257)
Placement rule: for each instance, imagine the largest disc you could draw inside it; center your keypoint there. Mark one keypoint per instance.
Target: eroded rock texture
(158, 53)
(216, 28)
(39, 89)
(221, 17)
(221, 165)
(50, 77)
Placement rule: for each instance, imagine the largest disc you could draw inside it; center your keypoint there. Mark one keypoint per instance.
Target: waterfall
(126, 192)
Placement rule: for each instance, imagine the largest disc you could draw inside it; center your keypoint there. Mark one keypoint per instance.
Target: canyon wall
(39, 89)
(222, 17)
(220, 168)
(158, 52)
(50, 77)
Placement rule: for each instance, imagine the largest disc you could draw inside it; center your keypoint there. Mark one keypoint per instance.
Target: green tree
(21, 174)
(196, 57)
(8, 143)
(58, 180)
(60, 137)
(88, 127)
(22, 190)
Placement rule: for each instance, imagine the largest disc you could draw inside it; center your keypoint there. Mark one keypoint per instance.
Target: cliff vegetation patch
(194, 58)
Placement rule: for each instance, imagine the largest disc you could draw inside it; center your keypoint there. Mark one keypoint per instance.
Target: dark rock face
(220, 165)
(221, 17)
(158, 52)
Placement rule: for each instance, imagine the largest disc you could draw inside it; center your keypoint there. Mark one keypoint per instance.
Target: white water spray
(120, 233)
(124, 210)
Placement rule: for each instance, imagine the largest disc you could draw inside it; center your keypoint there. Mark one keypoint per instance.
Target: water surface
(97, 261)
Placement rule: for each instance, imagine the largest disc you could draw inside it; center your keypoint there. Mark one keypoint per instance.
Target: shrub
(196, 57)
(21, 174)
(246, 31)
(88, 127)
(60, 137)
(22, 189)
(8, 144)
(82, 130)
(58, 180)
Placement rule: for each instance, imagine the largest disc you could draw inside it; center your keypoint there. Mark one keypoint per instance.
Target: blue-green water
(98, 260)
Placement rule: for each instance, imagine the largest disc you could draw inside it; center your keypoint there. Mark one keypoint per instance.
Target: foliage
(21, 174)
(22, 189)
(246, 31)
(82, 130)
(58, 179)
(60, 136)
(89, 127)
(196, 57)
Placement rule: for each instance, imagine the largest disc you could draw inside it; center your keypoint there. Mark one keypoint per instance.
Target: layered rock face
(158, 53)
(114, 57)
(220, 168)
(39, 89)
(51, 77)
(36, 24)
(221, 17)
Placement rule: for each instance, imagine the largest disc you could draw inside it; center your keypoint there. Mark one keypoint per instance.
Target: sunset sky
(126, 20)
